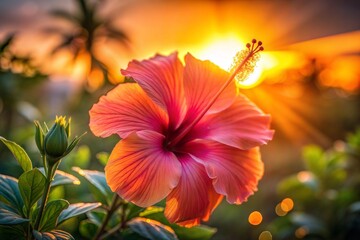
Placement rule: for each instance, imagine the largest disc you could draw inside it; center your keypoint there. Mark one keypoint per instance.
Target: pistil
(252, 51)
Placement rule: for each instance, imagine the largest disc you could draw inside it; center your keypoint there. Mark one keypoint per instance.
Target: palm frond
(64, 15)
(65, 43)
(7, 42)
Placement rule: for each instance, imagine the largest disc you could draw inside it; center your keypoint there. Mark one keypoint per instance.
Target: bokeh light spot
(301, 232)
(287, 204)
(255, 218)
(265, 235)
(279, 211)
(304, 176)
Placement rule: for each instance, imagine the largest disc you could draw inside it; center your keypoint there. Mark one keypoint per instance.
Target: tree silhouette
(88, 27)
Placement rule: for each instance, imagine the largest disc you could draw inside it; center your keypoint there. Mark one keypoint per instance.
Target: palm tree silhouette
(88, 27)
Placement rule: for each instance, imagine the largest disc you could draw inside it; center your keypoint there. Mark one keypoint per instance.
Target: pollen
(248, 57)
(60, 120)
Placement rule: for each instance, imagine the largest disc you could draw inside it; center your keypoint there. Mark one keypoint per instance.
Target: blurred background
(58, 57)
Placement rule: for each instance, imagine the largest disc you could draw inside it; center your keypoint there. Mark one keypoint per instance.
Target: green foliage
(88, 229)
(62, 178)
(24, 202)
(151, 229)
(326, 194)
(19, 154)
(51, 214)
(55, 234)
(10, 193)
(31, 186)
(10, 218)
(76, 209)
(194, 233)
(98, 183)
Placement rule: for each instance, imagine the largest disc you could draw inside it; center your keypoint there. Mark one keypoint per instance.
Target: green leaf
(87, 229)
(76, 209)
(97, 179)
(19, 154)
(31, 186)
(200, 232)
(9, 192)
(8, 207)
(151, 229)
(53, 235)
(10, 218)
(62, 178)
(151, 210)
(97, 216)
(51, 214)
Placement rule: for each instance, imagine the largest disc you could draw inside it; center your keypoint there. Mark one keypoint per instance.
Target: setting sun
(222, 53)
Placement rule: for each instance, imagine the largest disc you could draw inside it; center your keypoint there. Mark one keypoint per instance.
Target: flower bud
(56, 140)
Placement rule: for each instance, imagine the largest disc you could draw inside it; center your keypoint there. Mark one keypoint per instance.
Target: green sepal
(39, 137)
(73, 144)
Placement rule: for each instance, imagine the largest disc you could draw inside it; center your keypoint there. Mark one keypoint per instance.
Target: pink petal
(124, 110)
(188, 203)
(242, 125)
(161, 78)
(202, 80)
(235, 172)
(140, 171)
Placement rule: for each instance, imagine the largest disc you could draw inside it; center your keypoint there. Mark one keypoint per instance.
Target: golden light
(95, 79)
(255, 218)
(222, 52)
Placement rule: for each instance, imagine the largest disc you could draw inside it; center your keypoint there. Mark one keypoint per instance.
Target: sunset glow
(222, 52)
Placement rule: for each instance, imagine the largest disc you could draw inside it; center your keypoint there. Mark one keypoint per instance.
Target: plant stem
(113, 207)
(49, 177)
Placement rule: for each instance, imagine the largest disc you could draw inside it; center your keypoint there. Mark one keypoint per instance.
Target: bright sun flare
(222, 53)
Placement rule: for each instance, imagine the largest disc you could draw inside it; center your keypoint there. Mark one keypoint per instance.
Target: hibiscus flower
(186, 136)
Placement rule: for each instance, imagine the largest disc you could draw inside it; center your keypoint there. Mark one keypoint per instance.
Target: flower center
(244, 65)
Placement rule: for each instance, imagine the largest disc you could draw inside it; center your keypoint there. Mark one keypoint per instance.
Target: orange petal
(124, 110)
(140, 171)
(188, 203)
